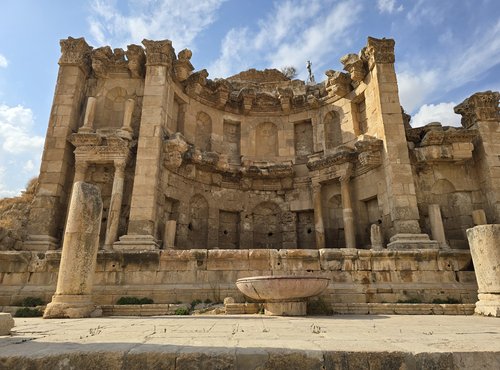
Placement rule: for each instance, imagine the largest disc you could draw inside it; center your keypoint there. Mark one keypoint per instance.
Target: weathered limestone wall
(171, 276)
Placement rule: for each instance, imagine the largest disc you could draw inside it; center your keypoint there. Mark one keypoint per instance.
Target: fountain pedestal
(282, 295)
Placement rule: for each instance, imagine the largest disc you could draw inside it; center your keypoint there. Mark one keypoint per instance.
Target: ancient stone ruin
(207, 181)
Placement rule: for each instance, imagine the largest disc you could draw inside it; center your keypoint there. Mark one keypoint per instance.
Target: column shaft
(347, 214)
(115, 205)
(319, 228)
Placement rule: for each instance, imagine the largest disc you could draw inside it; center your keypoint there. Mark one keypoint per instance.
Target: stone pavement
(254, 342)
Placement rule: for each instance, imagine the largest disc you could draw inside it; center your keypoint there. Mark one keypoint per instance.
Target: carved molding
(354, 66)
(159, 53)
(482, 106)
(378, 51)
(338, 83)
(75, 52)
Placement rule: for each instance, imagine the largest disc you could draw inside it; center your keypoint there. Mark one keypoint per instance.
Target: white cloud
(20, 149)
(442, 112)
(3, 61)
(179, 21)
(318, 28)
(388, 6)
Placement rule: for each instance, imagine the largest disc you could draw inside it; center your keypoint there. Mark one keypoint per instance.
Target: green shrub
(446, 301)
(28, 312)
(195, 302)
(30, 302)
(182, 311)
(134, 300)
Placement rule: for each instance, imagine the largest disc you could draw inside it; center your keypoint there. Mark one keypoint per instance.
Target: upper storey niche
(110, 109)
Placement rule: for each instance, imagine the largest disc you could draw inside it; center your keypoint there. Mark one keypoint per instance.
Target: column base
(412, 241)
(488, 305)
(136, 242)
(70, 306)
(40, 243)
(285, 308)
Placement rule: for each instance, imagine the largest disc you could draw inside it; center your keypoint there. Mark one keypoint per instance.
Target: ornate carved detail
(285, 97)
(369, 151)
(104, 60)
(222, 93)
(378, 51)
(174, 149)
(482, 106)
(159, 52)
(182, 65)
(272, 170)
(97, 147)
(75, 52)
(136, 60)
(247, 97)
(354, 66)
(338, 83)
(345, 172)
(343, 154)
(196, 82)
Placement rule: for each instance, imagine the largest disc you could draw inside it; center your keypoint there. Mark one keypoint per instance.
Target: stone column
(376, 238)
(319, 227)
(169, 234)
(437, 228)
(88, 121)
(127, 115)
(115, 205)
(157, 105)
(347, 214)
(484, 244)
(50, 204)
(72, 298)
(80, 171)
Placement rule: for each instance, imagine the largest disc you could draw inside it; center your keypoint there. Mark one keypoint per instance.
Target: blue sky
(445, 50)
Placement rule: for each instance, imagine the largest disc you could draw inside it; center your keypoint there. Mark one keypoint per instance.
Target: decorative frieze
(482, 106)
(159, 52)
(354, 66)
(378, 51)
(75, 52)
(338, 83)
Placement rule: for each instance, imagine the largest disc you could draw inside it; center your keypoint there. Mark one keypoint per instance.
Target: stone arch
(266, 140)
(113, 108)
(267, 231)
(198, 222)
(442, 186)
(334, 228)
(203, 132)
(333, 132)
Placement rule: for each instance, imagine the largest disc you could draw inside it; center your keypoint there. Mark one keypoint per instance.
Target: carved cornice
(338, 83)
(482, 106)
(159, 53)
(378, 51)
(342, 155)
(94, 147)
(182, 66)
(354, 66)
(273, 170)
(75, 52)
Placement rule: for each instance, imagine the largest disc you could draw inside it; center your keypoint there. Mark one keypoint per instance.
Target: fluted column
(115, 205)
(347, 214)
(319, 228)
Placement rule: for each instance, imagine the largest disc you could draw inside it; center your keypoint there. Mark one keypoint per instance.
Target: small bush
(182, 311)
(446, 301)
(134, 300)
(32, 302)
(195, 302)
(28, 312)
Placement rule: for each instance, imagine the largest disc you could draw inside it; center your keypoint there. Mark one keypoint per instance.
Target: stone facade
(259, 161)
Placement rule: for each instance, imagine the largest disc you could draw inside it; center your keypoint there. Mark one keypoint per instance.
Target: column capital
(378, 51)
(345, 172)
(159, 52)
(481, 106)
(75, 52)
(120, 165)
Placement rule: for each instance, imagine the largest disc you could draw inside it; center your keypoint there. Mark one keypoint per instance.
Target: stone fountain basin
(282, 288)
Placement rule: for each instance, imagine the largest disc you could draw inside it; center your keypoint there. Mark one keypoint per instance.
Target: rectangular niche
(303, 139)
(229, 235)
(232, 138)
(306, 238)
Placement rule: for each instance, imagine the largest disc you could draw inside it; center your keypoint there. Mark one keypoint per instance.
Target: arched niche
(203, 132)
(112, 109)
(442, 186)
(267, 231)
(266, 140)
(333, 132)
(334, 228)
(198, 222)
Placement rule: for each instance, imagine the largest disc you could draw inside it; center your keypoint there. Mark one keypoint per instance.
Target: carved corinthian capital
(75, 52)
(159, 52)
(378, 51)
(482, 106)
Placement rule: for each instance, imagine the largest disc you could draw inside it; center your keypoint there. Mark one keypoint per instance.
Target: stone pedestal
(484, 241)
(72, 298)
(285, 308)
(6, 323)
(479, 217)
(412, 241)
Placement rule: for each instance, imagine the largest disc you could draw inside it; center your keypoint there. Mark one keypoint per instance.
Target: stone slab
(255, 342)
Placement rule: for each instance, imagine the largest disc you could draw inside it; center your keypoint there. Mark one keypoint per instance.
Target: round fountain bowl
(283, 295)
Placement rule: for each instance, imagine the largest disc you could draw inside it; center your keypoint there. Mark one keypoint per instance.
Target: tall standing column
(73, 296)
(49, 206)
(319, 227)
(347, 214)
(115, 205)
(157, 106)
